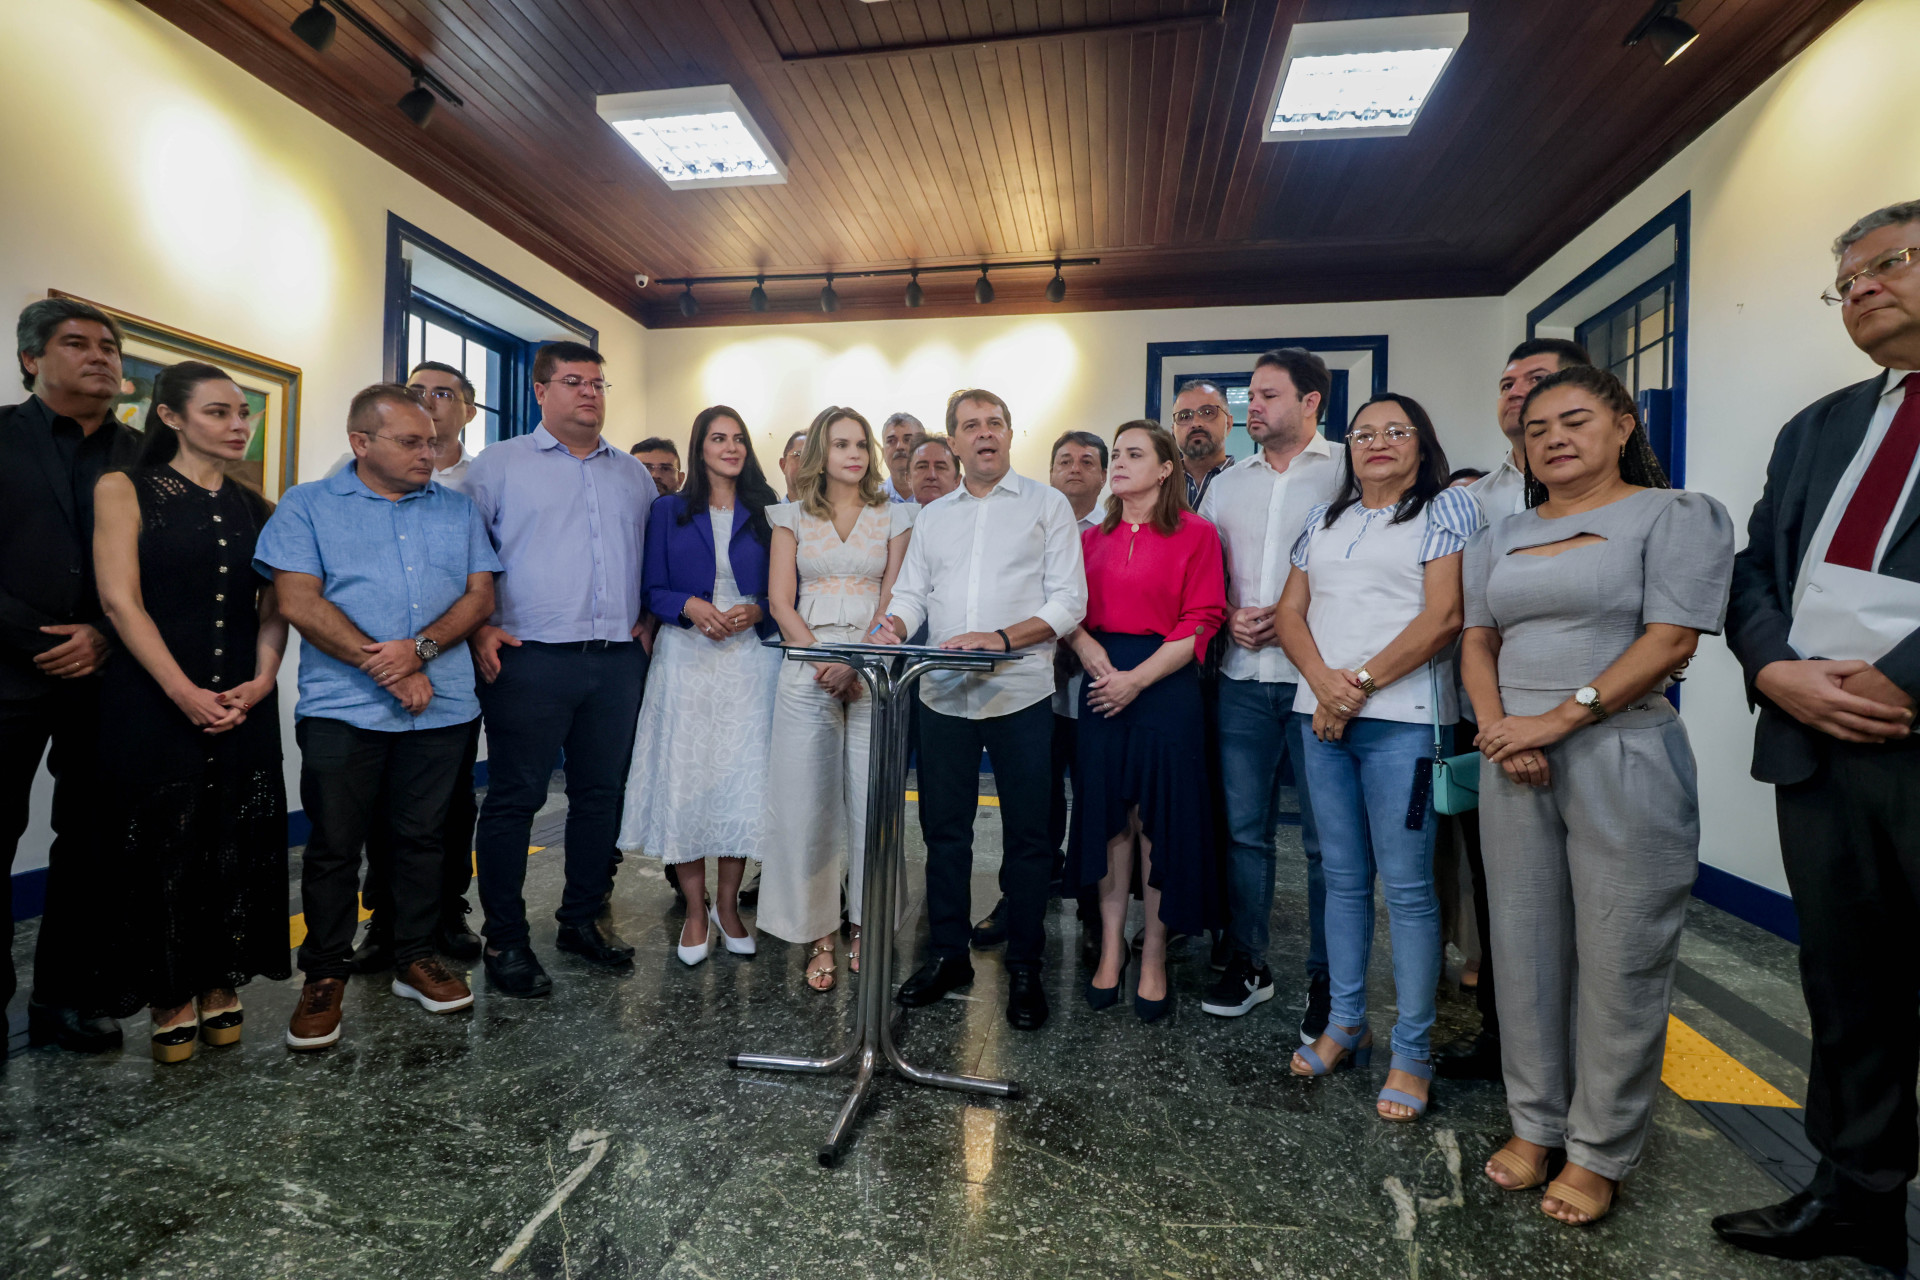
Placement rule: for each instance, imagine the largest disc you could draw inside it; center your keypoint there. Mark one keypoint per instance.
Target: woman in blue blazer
(697, 785)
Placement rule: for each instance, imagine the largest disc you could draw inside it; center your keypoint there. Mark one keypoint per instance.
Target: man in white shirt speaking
(994, 566)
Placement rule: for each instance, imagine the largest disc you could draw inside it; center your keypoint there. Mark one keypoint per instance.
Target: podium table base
(889, 676)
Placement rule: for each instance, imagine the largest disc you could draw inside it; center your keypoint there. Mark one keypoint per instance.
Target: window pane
(484, 428)
(414, 337)
(1653, 319)
(443, 345)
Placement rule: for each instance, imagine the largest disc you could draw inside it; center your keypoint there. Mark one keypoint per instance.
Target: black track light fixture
(829, 300)
(758, 298)
(1056, 287)
(315, 26)
(689, 305)
(983, 288)
(915, 294)
(1663, 29)
(417, 104)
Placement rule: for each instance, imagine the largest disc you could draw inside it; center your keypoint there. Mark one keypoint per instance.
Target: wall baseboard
(30, 887)
(1754, 903)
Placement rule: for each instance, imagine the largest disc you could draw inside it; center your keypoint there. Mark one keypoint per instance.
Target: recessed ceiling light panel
(1360, 79)
(701, 137)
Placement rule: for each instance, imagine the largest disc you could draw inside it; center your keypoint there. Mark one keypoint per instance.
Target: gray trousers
(1588, 881)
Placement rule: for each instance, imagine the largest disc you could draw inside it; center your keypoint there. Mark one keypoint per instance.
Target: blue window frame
(1333, 417)
(493, 360)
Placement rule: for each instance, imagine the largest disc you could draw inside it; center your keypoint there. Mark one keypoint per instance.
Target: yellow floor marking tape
(992, 802)
(297, 923)
(1701, 1071)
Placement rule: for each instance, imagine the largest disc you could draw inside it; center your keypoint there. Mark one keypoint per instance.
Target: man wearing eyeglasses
(1825, 620)
(561, 663)
(1201, 421)
(383, 573)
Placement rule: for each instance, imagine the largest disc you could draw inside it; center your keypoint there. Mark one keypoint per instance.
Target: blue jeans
(1361, 787)
(1257, 729)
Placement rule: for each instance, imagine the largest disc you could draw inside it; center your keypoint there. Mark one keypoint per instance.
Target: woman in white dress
(836, 549)
(697, 786)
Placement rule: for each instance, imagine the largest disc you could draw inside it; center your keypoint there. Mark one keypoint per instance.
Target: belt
(580, 646)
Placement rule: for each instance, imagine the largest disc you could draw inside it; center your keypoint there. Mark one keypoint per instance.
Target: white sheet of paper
(1851, 614)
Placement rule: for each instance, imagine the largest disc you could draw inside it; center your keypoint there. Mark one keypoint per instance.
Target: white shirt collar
(1319, 445)
(1896, 378)
(1011, 482)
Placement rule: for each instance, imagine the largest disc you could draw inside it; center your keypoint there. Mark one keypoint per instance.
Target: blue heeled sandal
(1106, 997)
(1355, 1054)
(1420, 1067)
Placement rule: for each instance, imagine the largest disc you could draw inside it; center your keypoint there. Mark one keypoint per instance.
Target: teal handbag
(1456, 779)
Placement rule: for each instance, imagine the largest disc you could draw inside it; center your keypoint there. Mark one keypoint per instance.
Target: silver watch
(1589, 697)
(424, 649)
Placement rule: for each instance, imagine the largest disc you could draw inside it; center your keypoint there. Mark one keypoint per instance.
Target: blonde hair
(810, 476)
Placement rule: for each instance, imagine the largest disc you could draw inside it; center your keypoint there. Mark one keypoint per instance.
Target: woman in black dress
(190, 754)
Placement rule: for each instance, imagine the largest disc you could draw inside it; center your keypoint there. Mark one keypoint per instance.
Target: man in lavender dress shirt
(559, 662)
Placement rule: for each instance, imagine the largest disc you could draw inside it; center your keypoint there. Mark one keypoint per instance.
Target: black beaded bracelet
(1005, 639)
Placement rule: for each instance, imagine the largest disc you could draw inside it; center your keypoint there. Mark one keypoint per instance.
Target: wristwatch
(1366, 682)
(424, 649)
(1589, 697)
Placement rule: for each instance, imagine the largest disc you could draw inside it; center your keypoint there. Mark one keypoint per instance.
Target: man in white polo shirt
(994, 566)
(1259, 506)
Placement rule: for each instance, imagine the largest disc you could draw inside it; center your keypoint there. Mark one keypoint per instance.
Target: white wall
(1828, 138)
(1071, 371)
(149, 173)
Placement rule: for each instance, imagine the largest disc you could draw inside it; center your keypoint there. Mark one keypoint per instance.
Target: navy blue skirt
(1153, 755)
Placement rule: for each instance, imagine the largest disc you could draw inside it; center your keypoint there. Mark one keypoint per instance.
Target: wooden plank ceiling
(949, 131)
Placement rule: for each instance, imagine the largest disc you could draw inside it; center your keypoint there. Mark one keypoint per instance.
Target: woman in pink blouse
(1156, 593)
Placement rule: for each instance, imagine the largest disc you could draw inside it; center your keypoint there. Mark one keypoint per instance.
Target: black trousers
(66, 966)
(344, 772)
(1020, 747)
(456, 849)
(585, 699)
(1850, 836)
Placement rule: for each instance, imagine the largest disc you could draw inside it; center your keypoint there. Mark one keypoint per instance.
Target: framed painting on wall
(272, 389)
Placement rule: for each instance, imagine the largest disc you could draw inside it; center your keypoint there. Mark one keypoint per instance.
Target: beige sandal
(853, 948)
(1525, 1174)
(1580, 1202)
(813, 975)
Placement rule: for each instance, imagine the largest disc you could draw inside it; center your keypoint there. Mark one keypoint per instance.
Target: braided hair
(1639, 465)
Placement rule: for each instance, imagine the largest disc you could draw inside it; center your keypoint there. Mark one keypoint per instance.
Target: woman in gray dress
(1579, 613)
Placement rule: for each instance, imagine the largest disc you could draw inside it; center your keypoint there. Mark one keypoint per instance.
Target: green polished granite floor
(422, 1146)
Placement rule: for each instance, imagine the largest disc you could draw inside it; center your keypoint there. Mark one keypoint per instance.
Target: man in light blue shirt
(380, 570)
(559, 661)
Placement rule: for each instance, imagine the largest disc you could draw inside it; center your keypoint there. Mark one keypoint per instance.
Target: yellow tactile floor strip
(992, 802)
(1701, 1071)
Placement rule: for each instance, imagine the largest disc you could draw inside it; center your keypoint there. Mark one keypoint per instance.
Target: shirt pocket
(447, 547)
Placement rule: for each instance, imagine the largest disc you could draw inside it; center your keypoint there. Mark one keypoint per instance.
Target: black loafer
(516, 971)
(1808, 1226)
(935, 978)
(454, 940)
(1026, 1000)
(74, 1029)
(596, 943)
(374, 954)
(992, 931)
(1475, 1058)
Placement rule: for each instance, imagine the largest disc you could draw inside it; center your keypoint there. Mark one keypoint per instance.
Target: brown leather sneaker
(433, 985)
(316, 1019)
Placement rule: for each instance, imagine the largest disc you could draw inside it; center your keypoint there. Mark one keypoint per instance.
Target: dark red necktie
(1858, 536)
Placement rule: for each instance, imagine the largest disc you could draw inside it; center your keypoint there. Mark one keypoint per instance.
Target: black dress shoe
(1026, 1000)
(992, 931)
(596, 943)
(73, 1029)
(516, 971)
(1313, 1023)
(374, 954)
(454, 940)
(935, 978)
(1823, 1226)
(1475, 1058)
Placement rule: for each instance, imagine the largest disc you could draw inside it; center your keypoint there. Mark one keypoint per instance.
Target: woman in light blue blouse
(1367, 616)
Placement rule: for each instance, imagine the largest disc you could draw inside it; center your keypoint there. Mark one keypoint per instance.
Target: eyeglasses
(414, 444)
(435, 393)
(1366, 439)
(1208, 413)
(1887, 264)
(574, 382)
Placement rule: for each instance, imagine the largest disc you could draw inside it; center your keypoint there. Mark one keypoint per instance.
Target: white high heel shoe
(735, 946)
(691, 956)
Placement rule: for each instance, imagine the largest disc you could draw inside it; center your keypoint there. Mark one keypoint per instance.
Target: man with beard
(1201, 421)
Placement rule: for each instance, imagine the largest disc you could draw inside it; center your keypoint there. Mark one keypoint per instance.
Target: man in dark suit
(1825, 619)
(54, 446)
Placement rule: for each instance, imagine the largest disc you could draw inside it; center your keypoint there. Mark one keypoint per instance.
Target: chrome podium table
(889, 673)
